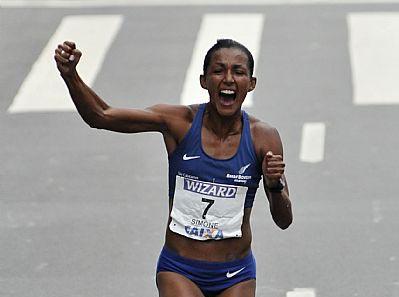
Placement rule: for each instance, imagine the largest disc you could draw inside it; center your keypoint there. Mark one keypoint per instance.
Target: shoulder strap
(197, 122)
(246, 135)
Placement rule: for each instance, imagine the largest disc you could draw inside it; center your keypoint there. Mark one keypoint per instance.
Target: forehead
(229, 56)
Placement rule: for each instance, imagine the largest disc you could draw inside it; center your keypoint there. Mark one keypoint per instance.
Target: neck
(222, 126)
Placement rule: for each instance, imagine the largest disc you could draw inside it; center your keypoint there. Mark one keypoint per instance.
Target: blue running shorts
(211, 277)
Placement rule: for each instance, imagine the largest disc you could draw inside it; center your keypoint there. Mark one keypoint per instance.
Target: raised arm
(95, 111)
(270, 151)
(171, 121)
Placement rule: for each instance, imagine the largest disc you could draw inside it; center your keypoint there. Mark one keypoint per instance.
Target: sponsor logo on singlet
(209, 233)
(187, 175)
(243, 168)
(210, 189)
(240, 178)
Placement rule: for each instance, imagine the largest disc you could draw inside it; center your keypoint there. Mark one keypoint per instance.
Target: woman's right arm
(98, 114)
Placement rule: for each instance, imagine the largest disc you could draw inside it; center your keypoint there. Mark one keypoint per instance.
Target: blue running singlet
(209, 195)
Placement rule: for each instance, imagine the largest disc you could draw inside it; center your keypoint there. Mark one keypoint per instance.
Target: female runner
(217, 155)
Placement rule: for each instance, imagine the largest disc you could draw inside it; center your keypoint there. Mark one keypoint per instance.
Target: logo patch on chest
(240, 177)
(243, 168)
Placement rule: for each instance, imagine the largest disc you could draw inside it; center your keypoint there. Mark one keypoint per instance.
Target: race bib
(203, 210)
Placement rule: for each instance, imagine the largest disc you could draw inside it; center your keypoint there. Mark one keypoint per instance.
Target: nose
(228, 78)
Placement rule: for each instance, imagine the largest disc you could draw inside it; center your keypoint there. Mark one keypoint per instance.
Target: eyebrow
(234, 65)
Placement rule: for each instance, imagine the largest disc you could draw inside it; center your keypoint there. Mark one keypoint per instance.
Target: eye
(240, 71)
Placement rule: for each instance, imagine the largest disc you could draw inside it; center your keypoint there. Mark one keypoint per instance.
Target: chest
(219, 148)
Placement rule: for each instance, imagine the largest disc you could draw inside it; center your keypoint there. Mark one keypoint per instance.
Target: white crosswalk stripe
(374, 47)
(302, 292)
(312, 145)
(43, 89)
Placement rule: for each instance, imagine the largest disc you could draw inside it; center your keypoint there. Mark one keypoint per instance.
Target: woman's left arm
(270, 150)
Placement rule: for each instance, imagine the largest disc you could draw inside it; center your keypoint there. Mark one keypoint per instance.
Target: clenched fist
(273, 170)
(67, 57)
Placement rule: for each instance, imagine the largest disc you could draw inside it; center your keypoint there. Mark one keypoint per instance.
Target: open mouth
(227, 97)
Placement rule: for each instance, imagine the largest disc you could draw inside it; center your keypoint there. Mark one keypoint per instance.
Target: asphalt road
(83, 211)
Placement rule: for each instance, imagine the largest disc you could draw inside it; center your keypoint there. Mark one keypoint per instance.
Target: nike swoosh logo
(230, 275)
(186, 158)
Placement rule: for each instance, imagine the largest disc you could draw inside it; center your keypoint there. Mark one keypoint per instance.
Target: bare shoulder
(265, 138)
(177, 121)
(175, 112)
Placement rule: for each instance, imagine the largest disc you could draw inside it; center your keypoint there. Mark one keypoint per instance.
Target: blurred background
(83, 211)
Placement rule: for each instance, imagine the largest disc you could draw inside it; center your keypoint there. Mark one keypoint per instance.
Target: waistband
(207, 264)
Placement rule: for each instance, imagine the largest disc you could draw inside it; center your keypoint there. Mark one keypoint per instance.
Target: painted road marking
(213, 27)
(377, 214)
(43, 89)
(374, 48)
(105, 3)
(302, 292)
(312, 146)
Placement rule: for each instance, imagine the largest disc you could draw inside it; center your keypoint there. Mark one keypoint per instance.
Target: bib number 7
(210, 203)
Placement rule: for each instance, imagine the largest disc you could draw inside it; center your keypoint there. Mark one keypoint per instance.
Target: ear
(203, 81)
(252, 84)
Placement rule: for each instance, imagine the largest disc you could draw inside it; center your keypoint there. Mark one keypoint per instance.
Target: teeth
(227, 92)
